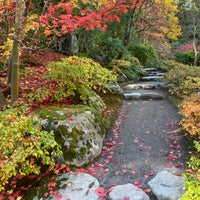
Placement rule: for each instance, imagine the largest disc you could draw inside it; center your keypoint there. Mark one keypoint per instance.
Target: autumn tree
(15, 30)
(156, 23)
(189, 17)
(58, 19)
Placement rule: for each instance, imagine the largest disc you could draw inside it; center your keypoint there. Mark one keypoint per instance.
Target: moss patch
(60, 113)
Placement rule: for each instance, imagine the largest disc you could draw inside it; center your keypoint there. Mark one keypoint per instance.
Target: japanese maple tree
(62, 18)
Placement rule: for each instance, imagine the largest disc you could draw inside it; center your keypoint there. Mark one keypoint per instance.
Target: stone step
(146, 85)
(143, 96)
(152, 78)
(156, 74)
(150, 69)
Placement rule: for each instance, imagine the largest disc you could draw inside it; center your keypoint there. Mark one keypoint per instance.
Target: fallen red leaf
(147, 191)
(70, 118)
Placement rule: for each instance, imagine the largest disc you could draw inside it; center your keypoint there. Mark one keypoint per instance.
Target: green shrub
(146, 54)
(185, 57)
(184, 79)
(24, 146)
(171, 64)
(128, 67)
(105, 48)
(192, 176)
(75, 77)
(132, 59)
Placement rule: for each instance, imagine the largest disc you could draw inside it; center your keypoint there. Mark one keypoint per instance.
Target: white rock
(74, 187)
(166, 186)
(129, 191)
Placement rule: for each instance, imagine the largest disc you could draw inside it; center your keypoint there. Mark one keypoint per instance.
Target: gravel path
(144, 139)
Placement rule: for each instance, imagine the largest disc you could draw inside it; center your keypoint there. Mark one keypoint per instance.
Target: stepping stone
(132, 96)
(150, 69)
(160, 74)
(140, 86)
(127, 191)
(143, 96)
(166, 186)
(146, 85)
(152, 78)
(152, 95)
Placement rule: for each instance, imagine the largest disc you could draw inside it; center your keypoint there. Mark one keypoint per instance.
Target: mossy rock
(78, 129)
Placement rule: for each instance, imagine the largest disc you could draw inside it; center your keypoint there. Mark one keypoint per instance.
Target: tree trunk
(2, 99)
(15, 52)
(196, 58)
(15, 72)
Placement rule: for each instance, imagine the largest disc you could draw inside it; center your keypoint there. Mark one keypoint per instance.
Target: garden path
(144, 139)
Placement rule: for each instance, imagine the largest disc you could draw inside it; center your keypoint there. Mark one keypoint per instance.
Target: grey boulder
(74, 187)
(127, 191)
(166, 186)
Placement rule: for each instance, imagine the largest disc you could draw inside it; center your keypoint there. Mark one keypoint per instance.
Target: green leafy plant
(171, 64)
(104, 47)
(185, 57)
(184, 80)
(192, 176)
(24, 146)
(130, 68)
(146, 54)
(75, 77)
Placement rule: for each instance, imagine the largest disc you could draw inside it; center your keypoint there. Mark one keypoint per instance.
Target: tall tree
(157, 19)
(189, 17)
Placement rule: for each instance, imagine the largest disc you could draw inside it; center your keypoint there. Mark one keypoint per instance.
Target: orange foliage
(190, 110)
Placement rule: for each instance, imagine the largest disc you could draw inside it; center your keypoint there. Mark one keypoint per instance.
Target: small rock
(132, 96)
(74, 187)
(115, 87)
(166, 186)
(127, 191)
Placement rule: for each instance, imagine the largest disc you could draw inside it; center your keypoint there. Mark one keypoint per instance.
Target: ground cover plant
(129, 67)
(185, 84)
(24, 145)
(184, 80)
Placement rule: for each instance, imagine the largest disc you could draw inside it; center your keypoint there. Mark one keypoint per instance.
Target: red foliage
(101, 192)
(188, 48)
(36, 64)
(60, 20)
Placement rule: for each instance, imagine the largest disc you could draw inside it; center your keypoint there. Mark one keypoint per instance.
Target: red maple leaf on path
(101, 192)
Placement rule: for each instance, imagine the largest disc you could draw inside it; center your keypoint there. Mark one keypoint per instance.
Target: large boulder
(127, 191)
(95, 101)
(78, 129)
(166, 186)
(71, 186)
